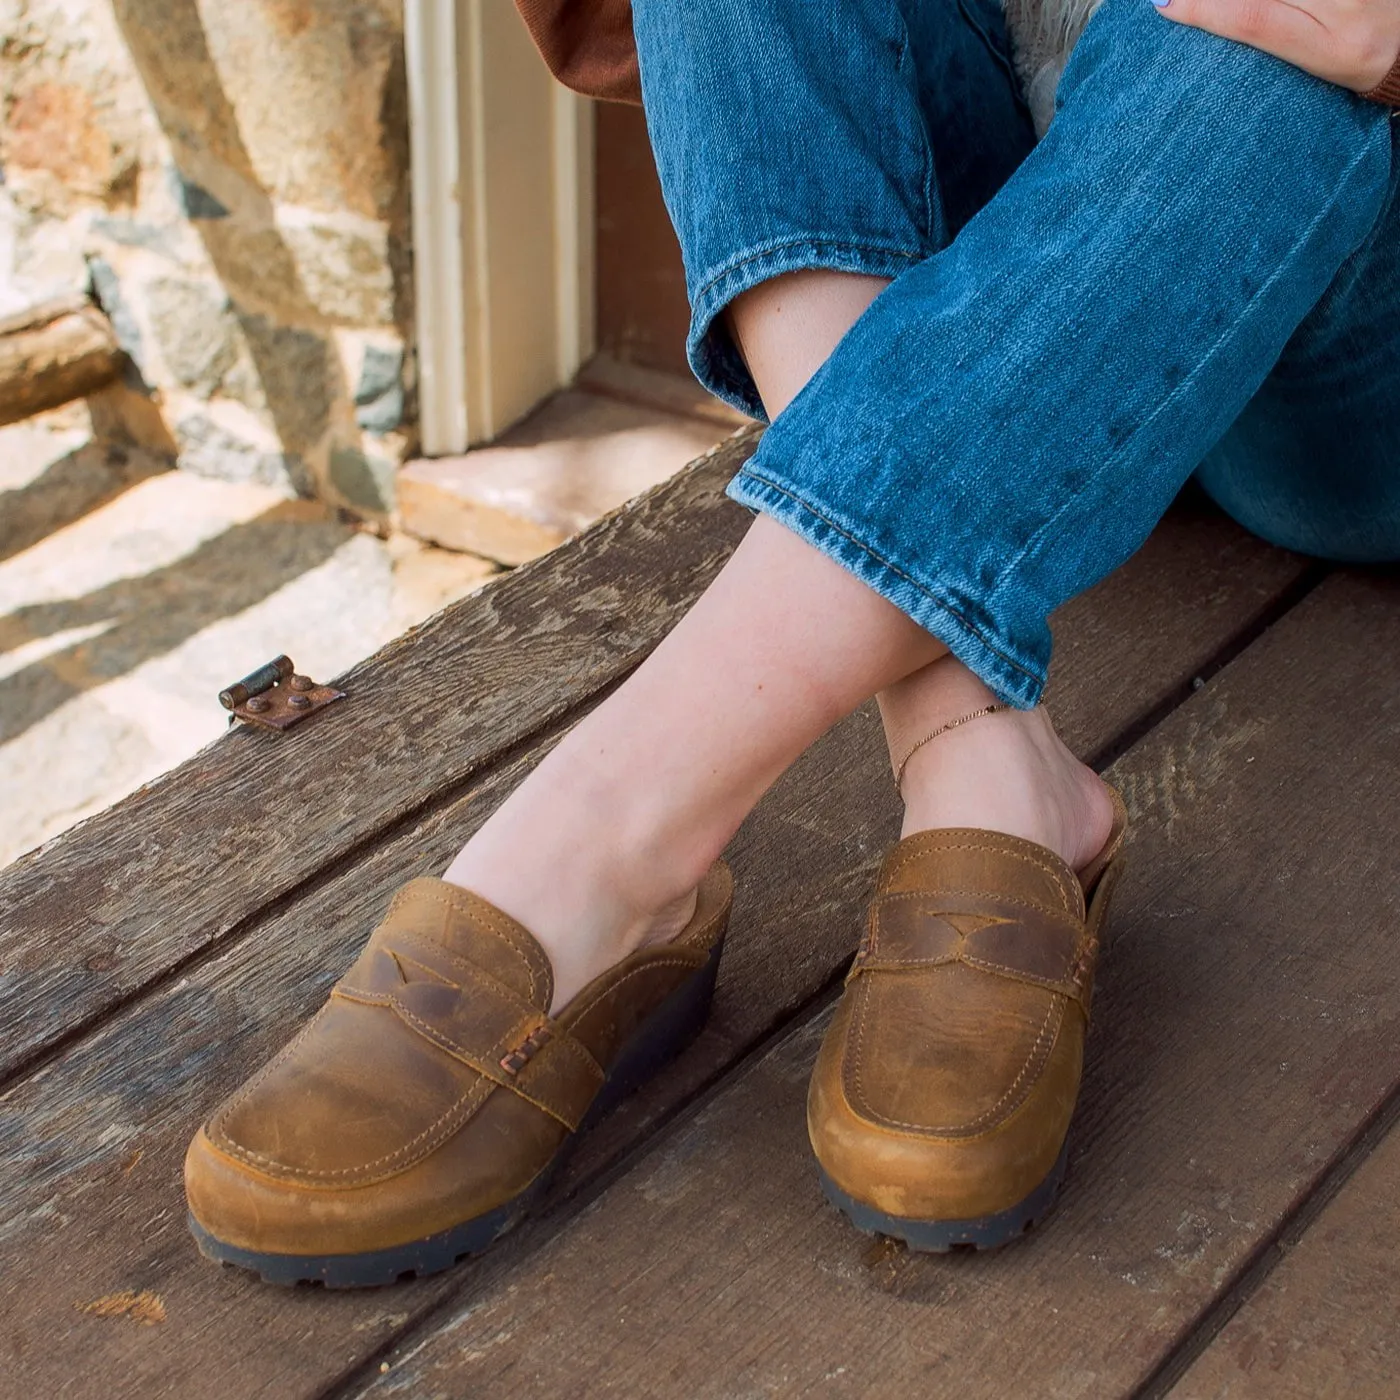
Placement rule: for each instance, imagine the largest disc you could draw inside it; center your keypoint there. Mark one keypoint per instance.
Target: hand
(1350, 42)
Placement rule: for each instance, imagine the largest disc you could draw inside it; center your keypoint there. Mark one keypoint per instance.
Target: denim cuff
(1019, 682)
(714, 358)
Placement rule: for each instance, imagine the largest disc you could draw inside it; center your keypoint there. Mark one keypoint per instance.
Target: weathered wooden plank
(164, 875)
(1197, 589)
(1245, 1031)
(1326, 1322)
(157, 878)
(53, 353)
(91, 1144)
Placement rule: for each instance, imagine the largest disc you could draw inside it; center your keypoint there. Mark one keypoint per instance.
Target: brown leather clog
(940, 1103)
(424, 1108)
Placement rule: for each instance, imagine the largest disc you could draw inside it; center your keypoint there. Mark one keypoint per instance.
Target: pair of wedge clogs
(420, 1113)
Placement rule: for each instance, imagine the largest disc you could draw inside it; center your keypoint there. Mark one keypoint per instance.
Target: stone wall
(231, 181)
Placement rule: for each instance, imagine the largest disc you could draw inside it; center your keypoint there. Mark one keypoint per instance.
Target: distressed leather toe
(941, 1099)
(419, 1113)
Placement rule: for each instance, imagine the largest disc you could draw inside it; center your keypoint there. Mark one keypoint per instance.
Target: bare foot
(1008, 772)
(579, 896)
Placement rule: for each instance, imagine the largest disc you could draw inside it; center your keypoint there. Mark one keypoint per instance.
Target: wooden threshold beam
(53, 353)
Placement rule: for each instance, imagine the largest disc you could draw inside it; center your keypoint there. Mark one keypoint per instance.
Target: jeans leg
(832, 135)
(1313, 462)
(1009, 419)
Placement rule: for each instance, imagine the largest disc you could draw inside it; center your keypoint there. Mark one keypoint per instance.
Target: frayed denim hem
(1009, 679)
(713, 357)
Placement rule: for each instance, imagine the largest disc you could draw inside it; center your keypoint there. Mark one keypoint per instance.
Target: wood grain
(91, 1143)
(1326, 1323)
(1246, 1028)
(189, 860)
(130, 893)
(53, 353)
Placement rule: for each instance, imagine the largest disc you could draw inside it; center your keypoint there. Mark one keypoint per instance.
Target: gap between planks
(97, 912)
(24, 1066)
(120, 934)
(1115, 668)
(1185, 777)
(1325, 1325)
(1293, 1229)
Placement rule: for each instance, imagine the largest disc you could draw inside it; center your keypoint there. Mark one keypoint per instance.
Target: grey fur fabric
(1042, 34)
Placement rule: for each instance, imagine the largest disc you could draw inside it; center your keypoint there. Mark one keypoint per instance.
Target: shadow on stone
(68, 489)
(149, 615)
(286, 331)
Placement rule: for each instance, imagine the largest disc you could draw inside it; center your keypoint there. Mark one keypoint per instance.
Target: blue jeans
(1197, 270)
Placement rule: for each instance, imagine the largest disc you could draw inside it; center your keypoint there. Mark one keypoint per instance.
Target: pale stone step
(130, 594)
(572, 460)
(655, 388)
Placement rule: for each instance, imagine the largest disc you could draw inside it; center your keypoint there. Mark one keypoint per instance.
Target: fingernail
(1161, 4)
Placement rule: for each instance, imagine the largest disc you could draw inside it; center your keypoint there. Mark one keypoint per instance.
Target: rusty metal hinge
(275, 697)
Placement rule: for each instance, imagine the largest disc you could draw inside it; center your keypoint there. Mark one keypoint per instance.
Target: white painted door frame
(502, 167)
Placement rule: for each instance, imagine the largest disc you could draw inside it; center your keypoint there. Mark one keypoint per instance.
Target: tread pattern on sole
(943, 1236)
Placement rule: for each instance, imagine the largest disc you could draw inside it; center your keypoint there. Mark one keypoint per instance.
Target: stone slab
(577, 457)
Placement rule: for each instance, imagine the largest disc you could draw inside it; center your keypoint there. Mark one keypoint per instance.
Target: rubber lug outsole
(660, 1038)
(943, 1236)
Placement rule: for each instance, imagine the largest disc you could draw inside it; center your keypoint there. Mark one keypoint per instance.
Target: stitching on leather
(984, 1119)
(487, 915)
(475, 971)
(482, 1089)
(1063, 986)
(424, 968)
(880, 964)
(483, 1086)
(930, 897)
(1011, 970)
(562, 1037)
(346, 992)
(1037, 1056)
(221, 1118)
(479, 1091)
(900, 861)
(446, 1042)
(568, 1041)
(432, 1033)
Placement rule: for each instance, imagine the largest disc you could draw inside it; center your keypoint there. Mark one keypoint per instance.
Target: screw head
(299, 702)
(258, 704)
(301, 682)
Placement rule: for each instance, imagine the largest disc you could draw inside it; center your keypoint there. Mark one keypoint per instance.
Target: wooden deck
(1229, 1224)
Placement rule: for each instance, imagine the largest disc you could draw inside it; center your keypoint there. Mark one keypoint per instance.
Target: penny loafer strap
(477, 1019)
(1020, 940)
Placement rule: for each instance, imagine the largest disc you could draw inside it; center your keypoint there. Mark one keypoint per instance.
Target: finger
(1286, 31)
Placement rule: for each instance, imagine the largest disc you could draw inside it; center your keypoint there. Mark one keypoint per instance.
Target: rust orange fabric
(587, 44)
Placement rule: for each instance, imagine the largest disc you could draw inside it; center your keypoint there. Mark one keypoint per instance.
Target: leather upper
(948, 1076)
(432, 1086)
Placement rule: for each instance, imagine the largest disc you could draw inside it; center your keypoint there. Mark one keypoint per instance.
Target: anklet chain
(942, 729)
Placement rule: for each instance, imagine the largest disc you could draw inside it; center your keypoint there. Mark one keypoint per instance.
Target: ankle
(1009, 772)
(588, 902)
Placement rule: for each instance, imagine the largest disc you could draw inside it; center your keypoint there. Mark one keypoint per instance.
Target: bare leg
(1009, 772)
(600, 849)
